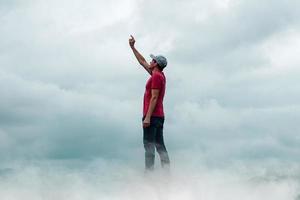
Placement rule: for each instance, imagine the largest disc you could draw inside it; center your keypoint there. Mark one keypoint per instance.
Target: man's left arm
(153, 102)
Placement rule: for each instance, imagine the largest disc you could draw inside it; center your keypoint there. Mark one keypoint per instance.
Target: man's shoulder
(158, 74)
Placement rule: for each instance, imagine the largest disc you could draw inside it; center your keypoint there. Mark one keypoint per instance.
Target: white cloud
(283, 52)
(117, 181)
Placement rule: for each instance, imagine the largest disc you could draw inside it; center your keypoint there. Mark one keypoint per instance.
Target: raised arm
(139, 56)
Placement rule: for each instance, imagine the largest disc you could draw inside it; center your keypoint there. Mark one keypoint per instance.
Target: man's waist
(155, 117)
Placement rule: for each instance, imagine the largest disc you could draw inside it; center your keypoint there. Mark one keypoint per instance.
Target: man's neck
(156, 70)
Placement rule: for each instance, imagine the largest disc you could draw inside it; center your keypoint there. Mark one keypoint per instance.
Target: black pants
(153, 138)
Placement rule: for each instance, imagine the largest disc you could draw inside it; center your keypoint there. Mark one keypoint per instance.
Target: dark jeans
(153, 138)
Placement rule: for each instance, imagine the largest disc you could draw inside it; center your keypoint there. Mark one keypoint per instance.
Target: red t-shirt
(156, 81)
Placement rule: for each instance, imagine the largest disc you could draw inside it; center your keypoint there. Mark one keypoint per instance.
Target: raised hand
(131, 41)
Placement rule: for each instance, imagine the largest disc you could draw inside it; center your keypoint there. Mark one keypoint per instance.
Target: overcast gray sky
(71, 87)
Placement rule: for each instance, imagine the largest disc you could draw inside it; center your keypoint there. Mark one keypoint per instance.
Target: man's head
(158, 61)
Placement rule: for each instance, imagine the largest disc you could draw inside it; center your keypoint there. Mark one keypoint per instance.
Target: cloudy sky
(71, 88)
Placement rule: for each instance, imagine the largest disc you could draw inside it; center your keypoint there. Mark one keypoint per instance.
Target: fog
(101, 179)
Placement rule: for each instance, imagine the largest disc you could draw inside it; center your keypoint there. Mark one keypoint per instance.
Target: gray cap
(161, 60)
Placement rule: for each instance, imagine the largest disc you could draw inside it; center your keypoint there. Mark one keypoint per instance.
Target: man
(153, 112)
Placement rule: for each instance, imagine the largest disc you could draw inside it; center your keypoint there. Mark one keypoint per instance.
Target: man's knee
(160, 148)
(149, 147)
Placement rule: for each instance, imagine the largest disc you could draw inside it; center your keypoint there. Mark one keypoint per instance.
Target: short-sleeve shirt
(156, 81)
